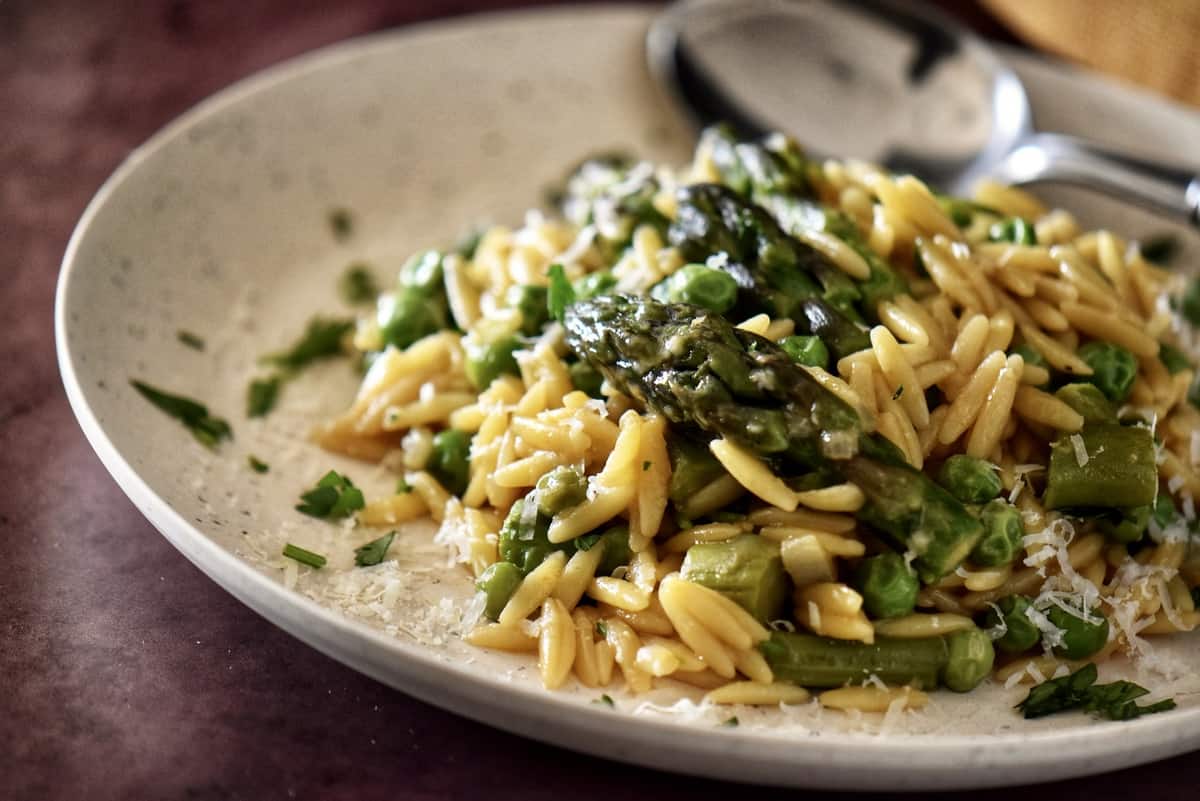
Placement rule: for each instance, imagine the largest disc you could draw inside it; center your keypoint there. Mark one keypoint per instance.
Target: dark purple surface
(124, 672)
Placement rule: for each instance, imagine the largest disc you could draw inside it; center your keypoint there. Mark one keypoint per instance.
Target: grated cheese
(1081, 454)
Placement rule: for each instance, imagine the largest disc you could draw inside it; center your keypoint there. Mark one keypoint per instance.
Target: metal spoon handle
(1057, 158)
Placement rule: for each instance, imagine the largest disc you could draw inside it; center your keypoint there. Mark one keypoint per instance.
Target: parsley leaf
(304, 557)
(208, 430)
(403, 487)
(605, 700)
(373, 552)
(191, 340)
(261, 395)
(730, 723)
(256, 464)
(601, 628)
(334, 497)
(322, 338)
(1078, 690)
(357, 285)
(561, 293)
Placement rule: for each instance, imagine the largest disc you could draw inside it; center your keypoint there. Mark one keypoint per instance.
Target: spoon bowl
(887, 82)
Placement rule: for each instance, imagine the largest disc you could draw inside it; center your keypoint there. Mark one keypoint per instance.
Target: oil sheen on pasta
(809, 426)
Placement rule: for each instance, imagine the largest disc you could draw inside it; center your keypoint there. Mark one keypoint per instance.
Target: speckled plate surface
(218, 226)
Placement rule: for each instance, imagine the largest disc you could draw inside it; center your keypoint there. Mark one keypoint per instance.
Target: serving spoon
(891, 83)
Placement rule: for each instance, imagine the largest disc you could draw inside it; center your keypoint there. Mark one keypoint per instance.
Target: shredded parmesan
(1081, 454)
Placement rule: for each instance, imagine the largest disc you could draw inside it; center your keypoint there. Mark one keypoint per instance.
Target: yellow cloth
(1155, 43)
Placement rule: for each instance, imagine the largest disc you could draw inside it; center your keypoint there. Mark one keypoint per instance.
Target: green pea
(1088, 401)
(971, 656)
(699, 285)
(1003, 531)
(486, 362)
(498, 582)
(450, 460)
(1175, 360)
(1113, 369)
(1020, 634)
(617, 552)
(1030, 355)
(586, 379)
(423, 272)
(887, 585)
(1126, 525)
(560, 489)
(969, 479)
(1189, 303)
(807, 350)
(1081, 638)
(1013, 229)
(409, 315)
(595, 284)
(530, 301)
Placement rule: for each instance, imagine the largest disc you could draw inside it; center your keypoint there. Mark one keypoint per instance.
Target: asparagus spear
(700, 372)
(774, 175)
(706, 376)
(958, 661)
(775, 273)
(747, 569)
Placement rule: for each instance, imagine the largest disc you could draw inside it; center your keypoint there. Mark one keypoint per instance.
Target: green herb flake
(601, 628)
(403, 487)
(193, 341)
(373, 552)
(341, 224)
(333, 498)
(1078, 690)
(561, 293)
(730, 723)
(898, 393)
(256, 464)
(261, 395)
(357, 285)
(304, 557)
(207, 429)
(605, 700)
(647, 465)
(321, 339)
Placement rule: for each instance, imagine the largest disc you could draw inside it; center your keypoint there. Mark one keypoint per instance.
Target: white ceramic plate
(218, 226)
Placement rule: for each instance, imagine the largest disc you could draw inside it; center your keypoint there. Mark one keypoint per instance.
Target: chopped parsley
(1078, 690)
(605, 700)
(403, 487)
(341, 224)
(256, 464)
(561, 294)
(647, 465)
(730, 723)
(601, 628)
(207, 429)
(321, 339)
(261, 395)
(357, 285)
(191, 340)
(304, 557)
(898, 393)
(373, 552)
(333, 498)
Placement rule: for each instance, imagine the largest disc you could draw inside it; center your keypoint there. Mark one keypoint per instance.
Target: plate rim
(821, 760)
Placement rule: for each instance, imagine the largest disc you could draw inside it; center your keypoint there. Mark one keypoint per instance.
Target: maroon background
(124, 672)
